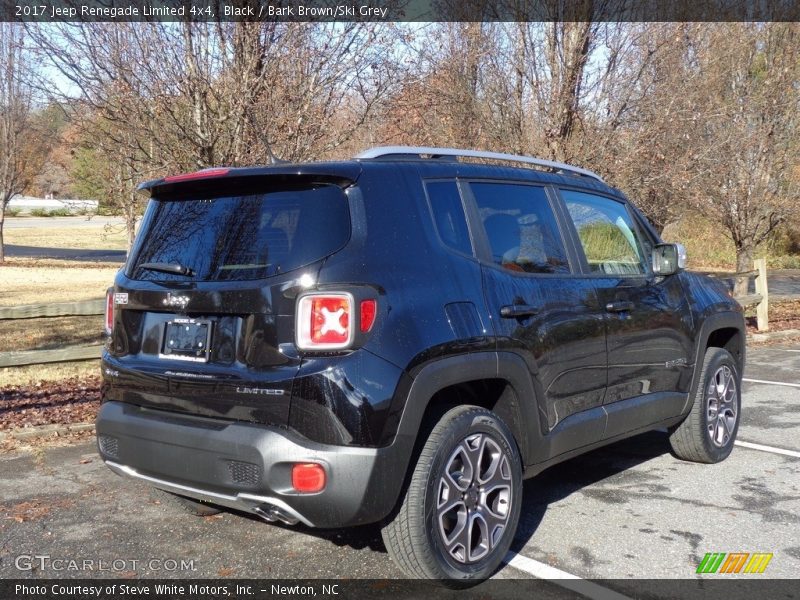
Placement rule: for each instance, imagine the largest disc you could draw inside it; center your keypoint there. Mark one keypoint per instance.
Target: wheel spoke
(489, 461)
(459, 470)
(478, 535)
(458, 544)
(472, 447)
(495, 525)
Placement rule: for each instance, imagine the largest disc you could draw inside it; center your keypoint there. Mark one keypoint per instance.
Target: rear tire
(460, 512)
(190, 505)
(709, 430)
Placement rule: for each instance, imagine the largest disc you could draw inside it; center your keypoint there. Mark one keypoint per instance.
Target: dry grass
(29, 282)
(100, 238)
(49, 333)
(34, 374)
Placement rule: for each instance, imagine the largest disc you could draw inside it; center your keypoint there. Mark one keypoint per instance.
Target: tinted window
(521, 228)
(448, 213)
(609, 239)
(243, 237)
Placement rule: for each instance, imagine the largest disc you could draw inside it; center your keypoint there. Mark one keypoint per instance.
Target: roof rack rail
(418, 151)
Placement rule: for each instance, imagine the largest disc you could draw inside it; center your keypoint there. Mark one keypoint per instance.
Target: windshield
(241, 237)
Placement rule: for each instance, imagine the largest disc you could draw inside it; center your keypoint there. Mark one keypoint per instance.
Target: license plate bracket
(186, 339)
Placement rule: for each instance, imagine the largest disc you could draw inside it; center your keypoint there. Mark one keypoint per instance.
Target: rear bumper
(248, 466)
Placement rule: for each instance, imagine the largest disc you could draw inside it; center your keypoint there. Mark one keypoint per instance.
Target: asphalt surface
(65, 253)
(59, 222)
(630, 510)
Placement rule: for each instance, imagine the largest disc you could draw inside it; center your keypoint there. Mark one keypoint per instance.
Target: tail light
(368, 310)
(109, 310)
(325, 321)
(308, 478)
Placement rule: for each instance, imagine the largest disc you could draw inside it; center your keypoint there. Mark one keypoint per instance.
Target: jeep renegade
(401, 339)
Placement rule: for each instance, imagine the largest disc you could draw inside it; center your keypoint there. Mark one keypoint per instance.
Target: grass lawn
(109, 237)
(26, 281)
(50, 333)
(14, 377)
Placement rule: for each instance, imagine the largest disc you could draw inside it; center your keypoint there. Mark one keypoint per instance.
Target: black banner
(715, 588)
(398, 10)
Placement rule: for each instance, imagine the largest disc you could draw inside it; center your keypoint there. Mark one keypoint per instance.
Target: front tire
(709, 430)
(460, 513)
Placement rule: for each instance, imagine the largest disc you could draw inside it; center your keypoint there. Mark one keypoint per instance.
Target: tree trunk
(744, 262)
(130, 222)
(4, 200)
(2, 243)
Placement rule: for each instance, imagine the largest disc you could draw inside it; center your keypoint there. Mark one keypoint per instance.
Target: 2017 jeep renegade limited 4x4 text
(401, 339)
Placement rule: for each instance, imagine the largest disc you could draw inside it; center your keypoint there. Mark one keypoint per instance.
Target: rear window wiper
(176, 268)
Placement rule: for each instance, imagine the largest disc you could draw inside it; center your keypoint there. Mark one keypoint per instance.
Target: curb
(774, 335)
(27, 433)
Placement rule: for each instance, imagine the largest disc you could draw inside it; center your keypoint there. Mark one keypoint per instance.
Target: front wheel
(709, 430)
(459, 515)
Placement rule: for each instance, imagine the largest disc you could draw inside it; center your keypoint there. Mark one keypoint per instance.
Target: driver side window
(610, 241)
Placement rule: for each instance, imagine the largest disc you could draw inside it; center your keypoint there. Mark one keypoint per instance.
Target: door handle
(620, 306)
(517, 311)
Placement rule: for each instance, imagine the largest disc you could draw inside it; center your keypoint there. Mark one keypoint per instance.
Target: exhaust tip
(272, 513)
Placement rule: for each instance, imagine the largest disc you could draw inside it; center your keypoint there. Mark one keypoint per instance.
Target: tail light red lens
(308, 478)
(324, 321)
(109, 311)
(368, 310)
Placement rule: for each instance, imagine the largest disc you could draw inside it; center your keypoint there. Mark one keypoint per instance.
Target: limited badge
(121, 298)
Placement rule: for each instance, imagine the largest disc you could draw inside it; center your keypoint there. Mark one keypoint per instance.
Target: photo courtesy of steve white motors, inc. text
(193, 590)
(67, 12)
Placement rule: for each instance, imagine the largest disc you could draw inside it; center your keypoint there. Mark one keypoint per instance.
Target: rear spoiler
(219, 180)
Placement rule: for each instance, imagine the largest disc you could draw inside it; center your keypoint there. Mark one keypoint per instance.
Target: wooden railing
(760, 299)
(96, 307)
(62, 309)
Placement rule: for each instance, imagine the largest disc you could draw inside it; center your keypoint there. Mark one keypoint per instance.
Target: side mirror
(668, 259)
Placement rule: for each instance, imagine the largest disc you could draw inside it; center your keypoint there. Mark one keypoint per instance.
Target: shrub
(60, 212)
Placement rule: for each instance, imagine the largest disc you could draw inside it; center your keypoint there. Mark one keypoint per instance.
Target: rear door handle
(517, 311)
(620, 306)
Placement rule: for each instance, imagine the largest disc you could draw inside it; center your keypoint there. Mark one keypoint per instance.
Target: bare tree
(743, 96)
(19, 150)
(171, 97)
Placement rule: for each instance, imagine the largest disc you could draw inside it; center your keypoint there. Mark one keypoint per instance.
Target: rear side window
(609, 238)
(242, 237)
(448, 213)
(521, 228)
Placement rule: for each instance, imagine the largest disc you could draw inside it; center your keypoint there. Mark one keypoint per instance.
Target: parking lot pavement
(630, 510)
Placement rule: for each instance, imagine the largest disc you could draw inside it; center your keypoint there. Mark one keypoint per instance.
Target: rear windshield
(241, 237)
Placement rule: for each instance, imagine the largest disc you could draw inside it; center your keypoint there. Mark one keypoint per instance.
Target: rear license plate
(186, 339)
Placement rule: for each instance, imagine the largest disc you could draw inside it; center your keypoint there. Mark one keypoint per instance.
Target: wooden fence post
(762, 309)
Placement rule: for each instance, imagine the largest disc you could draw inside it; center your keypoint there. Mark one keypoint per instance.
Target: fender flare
(464, 368)
(721, 320)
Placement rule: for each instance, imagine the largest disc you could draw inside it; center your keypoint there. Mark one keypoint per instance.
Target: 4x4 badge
(179, 301)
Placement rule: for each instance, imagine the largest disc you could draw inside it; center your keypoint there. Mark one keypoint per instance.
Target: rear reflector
(308, 478)
(324, 321)
(196, 175)
(368, 309)
(109, 310)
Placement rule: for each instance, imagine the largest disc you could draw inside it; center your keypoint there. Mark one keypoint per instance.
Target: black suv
(402, 338)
